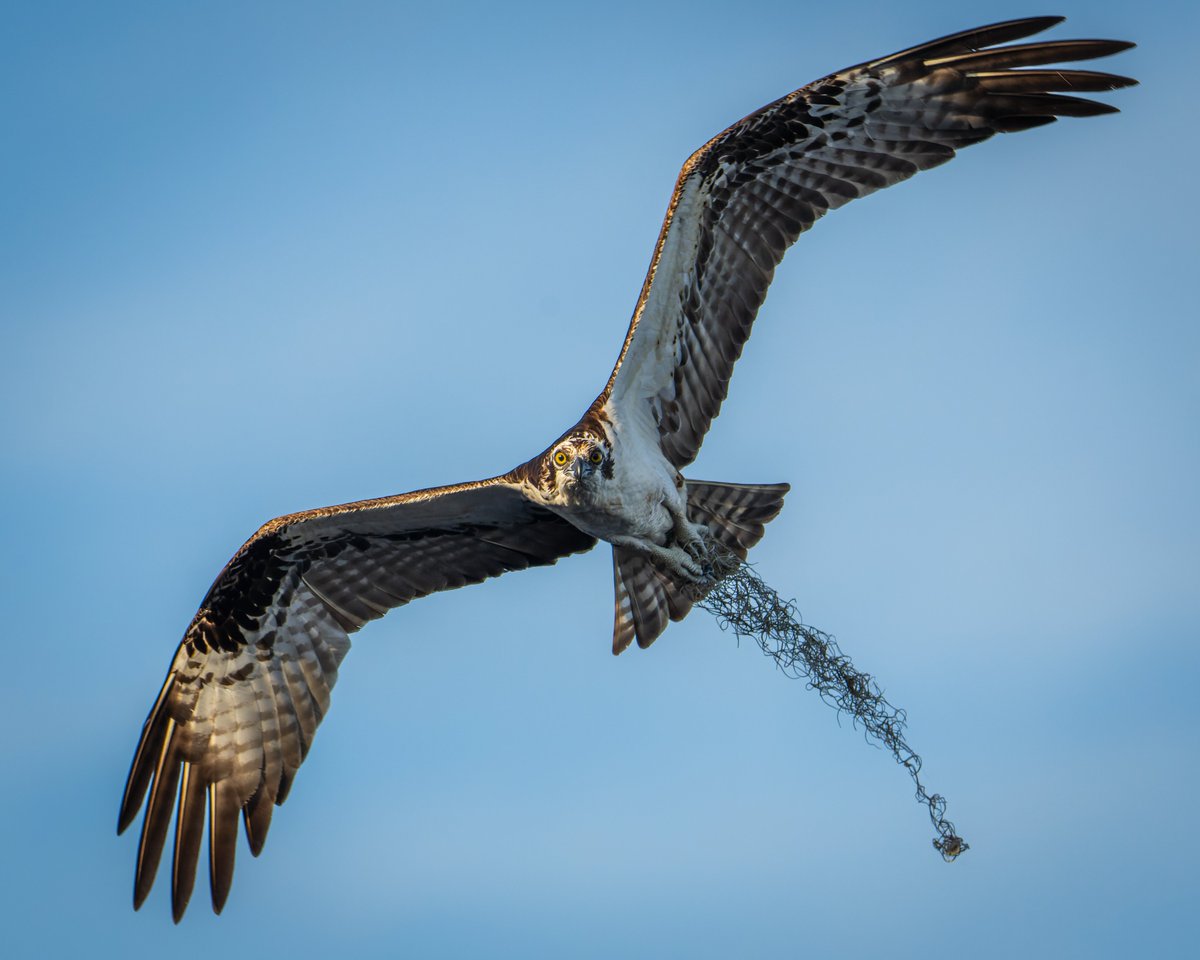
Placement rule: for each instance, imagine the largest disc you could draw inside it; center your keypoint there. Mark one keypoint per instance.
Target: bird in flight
(251, 679)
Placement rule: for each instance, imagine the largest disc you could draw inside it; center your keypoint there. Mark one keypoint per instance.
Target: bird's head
(578, 464)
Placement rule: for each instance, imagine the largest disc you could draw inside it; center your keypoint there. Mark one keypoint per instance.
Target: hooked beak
(578, 468)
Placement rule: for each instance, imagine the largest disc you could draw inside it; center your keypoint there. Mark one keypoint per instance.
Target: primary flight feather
(251, 679)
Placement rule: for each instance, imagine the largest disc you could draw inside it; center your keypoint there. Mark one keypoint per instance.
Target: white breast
(635, 502)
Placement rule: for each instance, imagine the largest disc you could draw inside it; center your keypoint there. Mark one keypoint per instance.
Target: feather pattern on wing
(744, 197)
(252, 678)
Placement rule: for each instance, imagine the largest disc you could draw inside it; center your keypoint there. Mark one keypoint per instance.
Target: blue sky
(256, 258)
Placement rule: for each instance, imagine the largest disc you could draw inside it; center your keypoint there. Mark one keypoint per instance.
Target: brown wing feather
(744, 197)
(252, 678)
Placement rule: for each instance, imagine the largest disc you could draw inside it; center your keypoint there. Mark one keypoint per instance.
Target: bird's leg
(673, 560)
(693, 539)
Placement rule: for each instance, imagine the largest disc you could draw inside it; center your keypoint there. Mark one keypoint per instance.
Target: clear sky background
(256, 258)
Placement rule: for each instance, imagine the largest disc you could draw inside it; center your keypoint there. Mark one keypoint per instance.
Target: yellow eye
(560, 458)
(596, 456)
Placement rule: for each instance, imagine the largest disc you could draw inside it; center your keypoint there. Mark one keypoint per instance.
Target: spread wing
(251, 679)
(745, 196)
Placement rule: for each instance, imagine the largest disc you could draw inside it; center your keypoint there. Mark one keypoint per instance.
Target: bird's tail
(647, 597)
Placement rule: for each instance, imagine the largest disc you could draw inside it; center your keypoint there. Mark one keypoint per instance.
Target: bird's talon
(690, 569)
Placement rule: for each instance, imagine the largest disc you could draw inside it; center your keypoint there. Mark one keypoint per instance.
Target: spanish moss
(742, 602)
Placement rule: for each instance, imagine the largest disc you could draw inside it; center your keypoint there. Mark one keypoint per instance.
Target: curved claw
(693, 567)
(697, 565)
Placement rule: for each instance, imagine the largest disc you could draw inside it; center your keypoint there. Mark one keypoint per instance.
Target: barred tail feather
(735, 513)
(647, 598)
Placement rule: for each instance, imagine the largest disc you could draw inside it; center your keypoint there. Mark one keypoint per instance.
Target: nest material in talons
(741, 601)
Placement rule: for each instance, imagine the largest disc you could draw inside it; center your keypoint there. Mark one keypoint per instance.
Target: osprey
(251, 679)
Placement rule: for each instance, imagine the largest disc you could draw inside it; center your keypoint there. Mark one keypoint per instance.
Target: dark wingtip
(140, 892)
(220, 893)
(257, 817)
(189, 834)
(1107, 48)
(1008, 30)
(285, 785)
(145, 756)
(222, 836)
(220, 887)
(1119, 82)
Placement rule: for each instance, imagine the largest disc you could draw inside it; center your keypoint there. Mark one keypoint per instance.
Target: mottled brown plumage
(252, 677)
(744, 197)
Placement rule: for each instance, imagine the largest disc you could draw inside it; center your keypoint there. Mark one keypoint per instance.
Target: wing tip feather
(222, 841)
(256, 816)
(141, 768)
